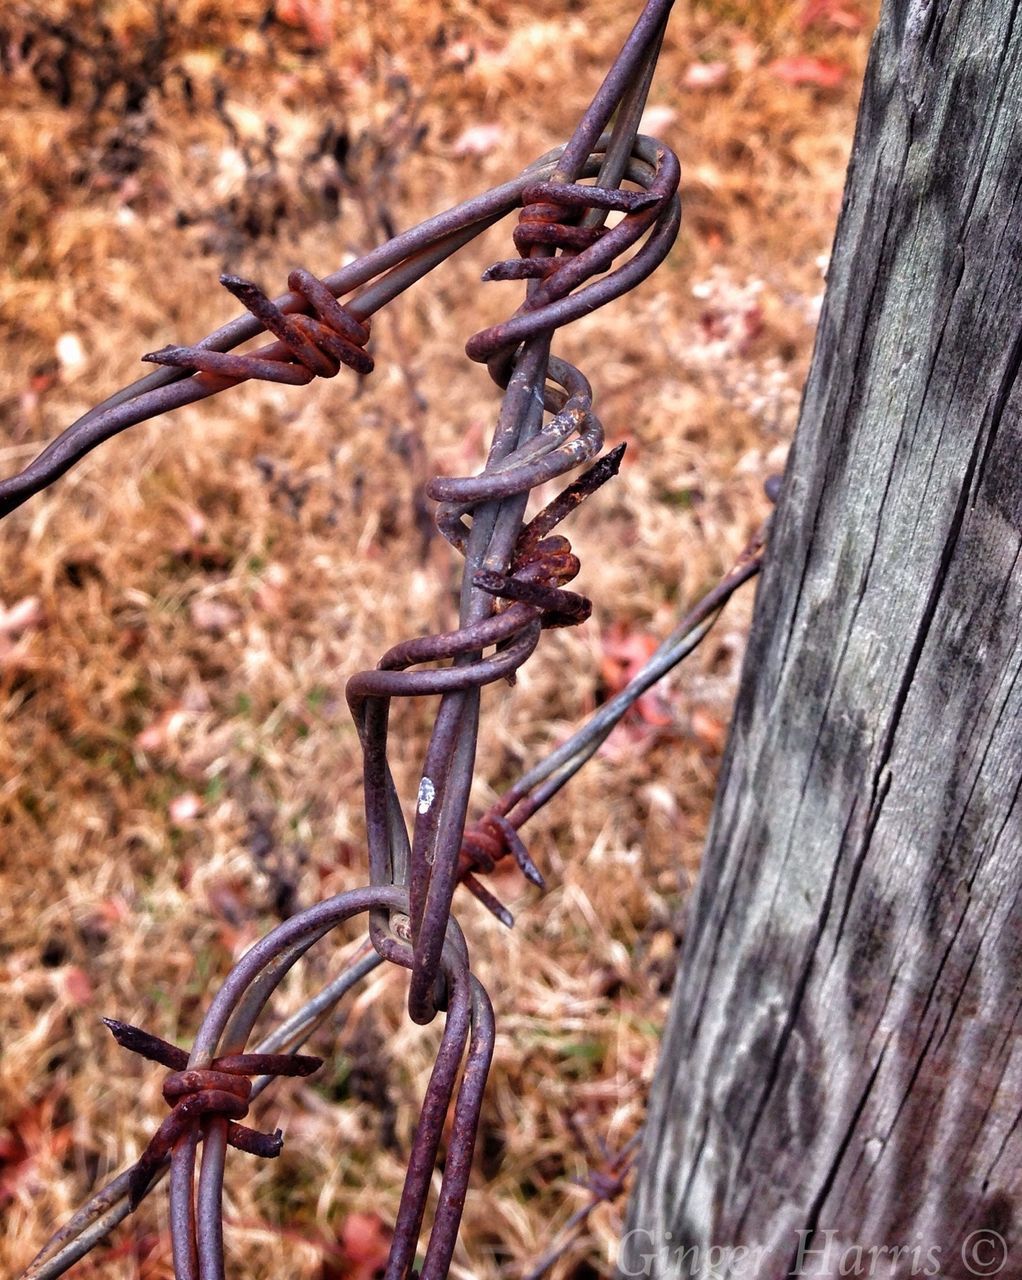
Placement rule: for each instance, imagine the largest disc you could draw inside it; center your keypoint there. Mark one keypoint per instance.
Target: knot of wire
(515, 585)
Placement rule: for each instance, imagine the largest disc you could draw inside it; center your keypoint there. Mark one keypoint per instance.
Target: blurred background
(178, 616)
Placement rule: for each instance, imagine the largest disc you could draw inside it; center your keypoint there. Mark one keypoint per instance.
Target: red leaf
(625, 652)
(314, 17)
(77, 985)
(28, 1139)
(834, 13)
(803, 69)
(364, 1248)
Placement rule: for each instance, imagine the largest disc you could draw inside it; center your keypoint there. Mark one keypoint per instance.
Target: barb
(306, 348)
(514, 586)
(558, 296)
(224, 1088)
(503, 556)
(110, 1205)
(373, 280)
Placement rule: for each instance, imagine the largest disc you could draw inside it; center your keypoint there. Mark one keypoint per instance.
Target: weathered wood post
(841, 1076)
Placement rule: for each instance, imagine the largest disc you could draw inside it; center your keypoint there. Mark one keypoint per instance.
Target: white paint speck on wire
(427, 794)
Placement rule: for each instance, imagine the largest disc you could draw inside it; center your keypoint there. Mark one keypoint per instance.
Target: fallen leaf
(625, 652)
(185, 807)
(29, 1138)
(364, 1246)
(705, 75)
(739, 327)
(130, 640)
(314, 17)
(478, 140)
(113, 910)
(835, 13)
(77, 985)
(215, 616)
(803, 69)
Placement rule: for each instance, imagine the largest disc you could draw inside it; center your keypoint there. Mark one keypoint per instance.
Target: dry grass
(178, 768)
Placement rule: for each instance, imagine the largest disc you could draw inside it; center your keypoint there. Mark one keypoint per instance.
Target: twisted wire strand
(109, 1206)
(196, 1213)
(561, 214)
(209, 1089)
(534, 590)
(489, 839)
(560, 293)
(224, 1088)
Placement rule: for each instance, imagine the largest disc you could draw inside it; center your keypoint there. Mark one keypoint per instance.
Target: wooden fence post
(840, 1086)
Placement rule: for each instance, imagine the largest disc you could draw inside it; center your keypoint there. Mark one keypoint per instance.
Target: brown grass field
(179, 615)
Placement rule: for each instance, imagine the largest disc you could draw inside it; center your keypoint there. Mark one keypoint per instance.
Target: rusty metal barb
(110, 1205)
(558, 296)
(306, 347)
(219, 1059)
(374, 279)
(223, 1088)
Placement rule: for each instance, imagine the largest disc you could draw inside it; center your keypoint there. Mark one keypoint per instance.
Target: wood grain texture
(842, 1068)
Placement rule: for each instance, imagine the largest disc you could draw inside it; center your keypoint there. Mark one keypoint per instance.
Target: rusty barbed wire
(514, 585)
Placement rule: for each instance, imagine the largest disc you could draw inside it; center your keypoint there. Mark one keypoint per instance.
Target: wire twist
(553, 217)
(482, 517)
(531, 589)
(210, 1088)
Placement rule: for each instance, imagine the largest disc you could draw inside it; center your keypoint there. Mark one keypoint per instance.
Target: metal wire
(513, 587)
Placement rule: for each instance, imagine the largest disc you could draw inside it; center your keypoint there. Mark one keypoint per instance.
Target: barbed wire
(514, 586)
